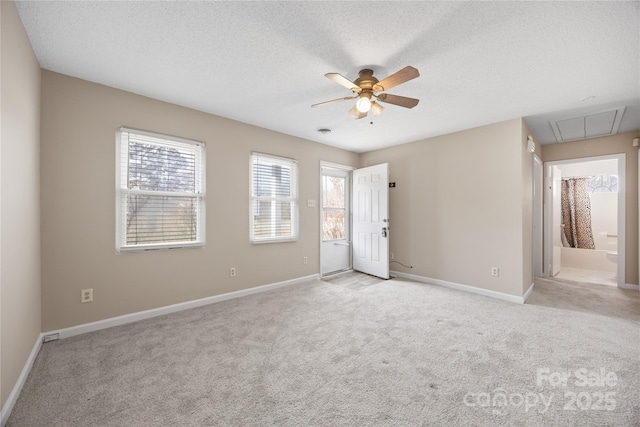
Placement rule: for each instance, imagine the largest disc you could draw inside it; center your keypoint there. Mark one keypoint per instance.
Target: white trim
(465, 288)
(329, 165)
(147, 314)
(622, 215)
(629, 286)
(538, 214)
(17, 388)
(160, 247)
(527, 294)
(162, 136)
(547, 231)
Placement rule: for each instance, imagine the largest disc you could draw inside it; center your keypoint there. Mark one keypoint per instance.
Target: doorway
(595, 253)
(335, 214)
(354, 226)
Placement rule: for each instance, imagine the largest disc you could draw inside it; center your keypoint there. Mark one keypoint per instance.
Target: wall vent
(51, 337)
(602, 123)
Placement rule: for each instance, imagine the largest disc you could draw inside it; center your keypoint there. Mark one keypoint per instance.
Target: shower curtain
(576, 213)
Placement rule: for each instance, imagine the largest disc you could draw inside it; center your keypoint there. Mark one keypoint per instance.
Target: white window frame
(122, 190)
(295, 215)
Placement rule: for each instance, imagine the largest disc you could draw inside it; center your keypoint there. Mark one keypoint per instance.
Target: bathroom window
(603, 184)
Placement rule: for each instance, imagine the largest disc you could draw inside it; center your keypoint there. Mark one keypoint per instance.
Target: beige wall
(79, 121)
(621, 143)
(20, 199)
(456, 210)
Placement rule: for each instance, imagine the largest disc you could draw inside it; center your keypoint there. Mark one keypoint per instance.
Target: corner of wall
(20, 292)
(444, 178)
(527, 209)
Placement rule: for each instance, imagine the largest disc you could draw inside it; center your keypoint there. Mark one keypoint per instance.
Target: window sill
(155, 248)
(262, 242)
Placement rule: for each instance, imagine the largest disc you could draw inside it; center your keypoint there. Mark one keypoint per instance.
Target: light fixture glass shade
(376, 108)
(364, 103)
(355, 113)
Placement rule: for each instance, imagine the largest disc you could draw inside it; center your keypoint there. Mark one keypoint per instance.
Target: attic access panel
(602, 123)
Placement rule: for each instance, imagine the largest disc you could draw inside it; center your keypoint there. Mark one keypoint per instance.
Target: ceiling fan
(366, 87)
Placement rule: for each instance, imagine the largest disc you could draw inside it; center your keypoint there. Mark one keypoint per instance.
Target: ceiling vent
(603, 123)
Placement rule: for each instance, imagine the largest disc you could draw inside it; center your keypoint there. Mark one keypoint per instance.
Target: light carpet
(393, 353)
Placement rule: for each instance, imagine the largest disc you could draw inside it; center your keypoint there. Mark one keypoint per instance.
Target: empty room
(319, 213)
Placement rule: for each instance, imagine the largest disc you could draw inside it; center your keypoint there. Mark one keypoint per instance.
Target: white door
(556, 219)
(371, 220)
(335, 253)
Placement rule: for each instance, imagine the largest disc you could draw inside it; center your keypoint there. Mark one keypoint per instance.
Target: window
(603, 184)
(160, 191)
(274, 199)
(334, 192)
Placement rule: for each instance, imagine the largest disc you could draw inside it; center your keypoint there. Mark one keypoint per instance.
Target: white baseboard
(629, 286)
(527, 294)
(141, 315)
(466, 288)
(17, 388)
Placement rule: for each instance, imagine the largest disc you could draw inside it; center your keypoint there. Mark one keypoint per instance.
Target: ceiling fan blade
(404, 75)
(333, 101)
(341, 80)
(402, 101)
(357, 114)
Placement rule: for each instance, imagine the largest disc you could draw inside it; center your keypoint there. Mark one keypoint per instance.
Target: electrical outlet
(304, 260)
(86, 295)
(391, 255)
(495, 271)
(232, 272)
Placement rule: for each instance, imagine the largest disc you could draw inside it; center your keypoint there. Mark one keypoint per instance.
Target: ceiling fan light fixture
(366, 87)
(376, 108)
(364, 103)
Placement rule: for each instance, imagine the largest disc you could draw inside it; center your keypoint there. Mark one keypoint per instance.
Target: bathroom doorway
(585, 219)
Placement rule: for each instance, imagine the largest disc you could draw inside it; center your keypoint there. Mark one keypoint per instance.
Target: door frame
(538, 220)
(622, 195)
(349, 170)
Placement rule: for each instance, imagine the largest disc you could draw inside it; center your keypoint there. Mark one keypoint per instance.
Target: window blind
(161, 197)
(274, 199)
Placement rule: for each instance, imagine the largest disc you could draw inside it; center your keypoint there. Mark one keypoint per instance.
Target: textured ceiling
(263, 63)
